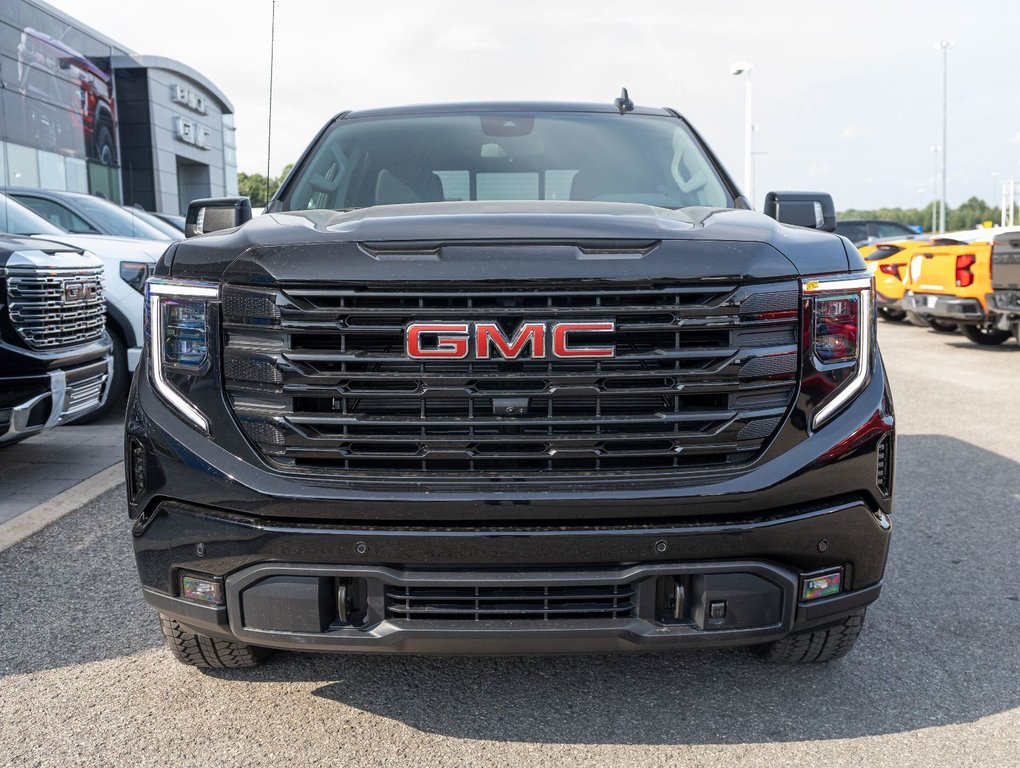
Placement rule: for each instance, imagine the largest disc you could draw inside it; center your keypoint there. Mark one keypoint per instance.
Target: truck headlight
(838, 335)
(177, 319)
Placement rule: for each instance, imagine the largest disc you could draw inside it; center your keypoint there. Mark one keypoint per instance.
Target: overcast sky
(847, 94)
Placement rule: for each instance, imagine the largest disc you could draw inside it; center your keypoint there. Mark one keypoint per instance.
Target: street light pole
(945, 45)
(935, 188)
(744, 68)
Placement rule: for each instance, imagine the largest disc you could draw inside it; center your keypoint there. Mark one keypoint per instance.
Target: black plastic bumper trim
(821, 611)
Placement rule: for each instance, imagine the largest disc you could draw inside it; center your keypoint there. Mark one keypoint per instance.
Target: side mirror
(212, 214)
(814, 210)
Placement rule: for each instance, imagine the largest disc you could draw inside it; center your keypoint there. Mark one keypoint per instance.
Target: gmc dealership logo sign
(535, 341)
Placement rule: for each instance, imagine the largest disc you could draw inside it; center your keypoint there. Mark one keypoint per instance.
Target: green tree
(254, 186)
(967, 216)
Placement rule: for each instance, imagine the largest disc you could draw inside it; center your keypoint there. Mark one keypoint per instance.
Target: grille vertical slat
(702, 377)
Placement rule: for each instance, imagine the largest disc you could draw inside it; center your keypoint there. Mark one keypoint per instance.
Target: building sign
(191, 132)
(189, 98)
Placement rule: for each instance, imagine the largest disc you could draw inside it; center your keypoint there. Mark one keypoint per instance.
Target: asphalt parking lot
(934, 680)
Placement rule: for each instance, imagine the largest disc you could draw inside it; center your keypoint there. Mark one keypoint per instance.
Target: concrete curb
(34, 520)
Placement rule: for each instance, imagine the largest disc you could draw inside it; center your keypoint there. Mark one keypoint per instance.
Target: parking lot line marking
(38, 517)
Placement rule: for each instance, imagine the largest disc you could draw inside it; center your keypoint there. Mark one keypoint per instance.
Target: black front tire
(817, 646)
(118, 384)
(208, 652)
(986, 337)
(104, 148)
(940, 326)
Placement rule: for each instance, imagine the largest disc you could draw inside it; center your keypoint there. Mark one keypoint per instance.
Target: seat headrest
(424, 187)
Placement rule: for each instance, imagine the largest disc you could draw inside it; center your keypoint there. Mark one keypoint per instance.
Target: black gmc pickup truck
(510, 378)
(55, 354)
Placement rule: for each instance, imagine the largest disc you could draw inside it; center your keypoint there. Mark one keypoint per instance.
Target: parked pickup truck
(949, 281)
(1004, 301)
(55, 355)
(510, 378)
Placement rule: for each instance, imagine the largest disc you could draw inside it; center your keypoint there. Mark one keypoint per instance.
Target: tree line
(255, 187)
(966, 216)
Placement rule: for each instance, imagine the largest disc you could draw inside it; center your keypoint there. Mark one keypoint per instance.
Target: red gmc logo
(541, 340)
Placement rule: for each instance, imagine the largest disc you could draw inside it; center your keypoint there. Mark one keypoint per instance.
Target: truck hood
(16, 250)
(110, 248)
(510, 240)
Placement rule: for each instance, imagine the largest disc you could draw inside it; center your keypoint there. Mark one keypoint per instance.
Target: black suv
(55, 355)
(507, 378)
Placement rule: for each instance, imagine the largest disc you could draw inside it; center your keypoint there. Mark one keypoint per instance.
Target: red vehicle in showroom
(70, 97)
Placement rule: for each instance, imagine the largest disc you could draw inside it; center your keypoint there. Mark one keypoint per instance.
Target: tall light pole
(945, 45)
(744, 68)
(935, 148)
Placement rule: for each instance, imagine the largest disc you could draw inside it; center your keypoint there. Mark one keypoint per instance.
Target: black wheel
(208, 652)
(940, 326)
(817, 646)
(104, 148)
(892, 315)
(118, 384)
(985, 336)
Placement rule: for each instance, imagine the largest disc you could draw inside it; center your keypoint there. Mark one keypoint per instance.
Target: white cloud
(852, 132)
(468, 39)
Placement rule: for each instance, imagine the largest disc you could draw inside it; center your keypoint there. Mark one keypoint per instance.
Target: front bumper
(56, 397)
(299, 610)
(939, 307)
(201, 509)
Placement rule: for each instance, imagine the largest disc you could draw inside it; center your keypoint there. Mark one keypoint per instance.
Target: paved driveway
(935, 679)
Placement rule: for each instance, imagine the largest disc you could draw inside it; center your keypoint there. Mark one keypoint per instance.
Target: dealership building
(81, 112)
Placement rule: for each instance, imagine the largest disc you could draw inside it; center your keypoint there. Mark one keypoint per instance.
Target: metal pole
(935, 188)
(945, 44)
(748, 142)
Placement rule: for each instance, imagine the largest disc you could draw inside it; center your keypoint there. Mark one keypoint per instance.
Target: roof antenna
(624, 104)
(269, 136)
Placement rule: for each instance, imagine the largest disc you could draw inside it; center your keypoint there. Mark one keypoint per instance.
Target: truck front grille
(613, 601)
(53, 308)
(320, 382)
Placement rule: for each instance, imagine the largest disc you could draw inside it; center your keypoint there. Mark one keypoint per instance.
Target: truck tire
(208, 652)
(986, 337)
(941, 326)
(118, 384)
(817, 646)
(892, 315)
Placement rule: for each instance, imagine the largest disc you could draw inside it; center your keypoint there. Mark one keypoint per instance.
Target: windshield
(629, 158)
(115, 220)
(16, 219)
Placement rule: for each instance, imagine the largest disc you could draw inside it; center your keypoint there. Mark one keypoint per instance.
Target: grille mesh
(320, 381)
(510, 603)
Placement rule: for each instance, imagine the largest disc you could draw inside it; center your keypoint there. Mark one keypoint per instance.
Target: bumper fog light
(821, 585)
(202, 590)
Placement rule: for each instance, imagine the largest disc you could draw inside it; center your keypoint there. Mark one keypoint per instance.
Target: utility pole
(935, 188)
(744, 68)
(945, 45)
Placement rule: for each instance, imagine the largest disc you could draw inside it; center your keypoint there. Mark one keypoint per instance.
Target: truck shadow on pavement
(938, 648)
